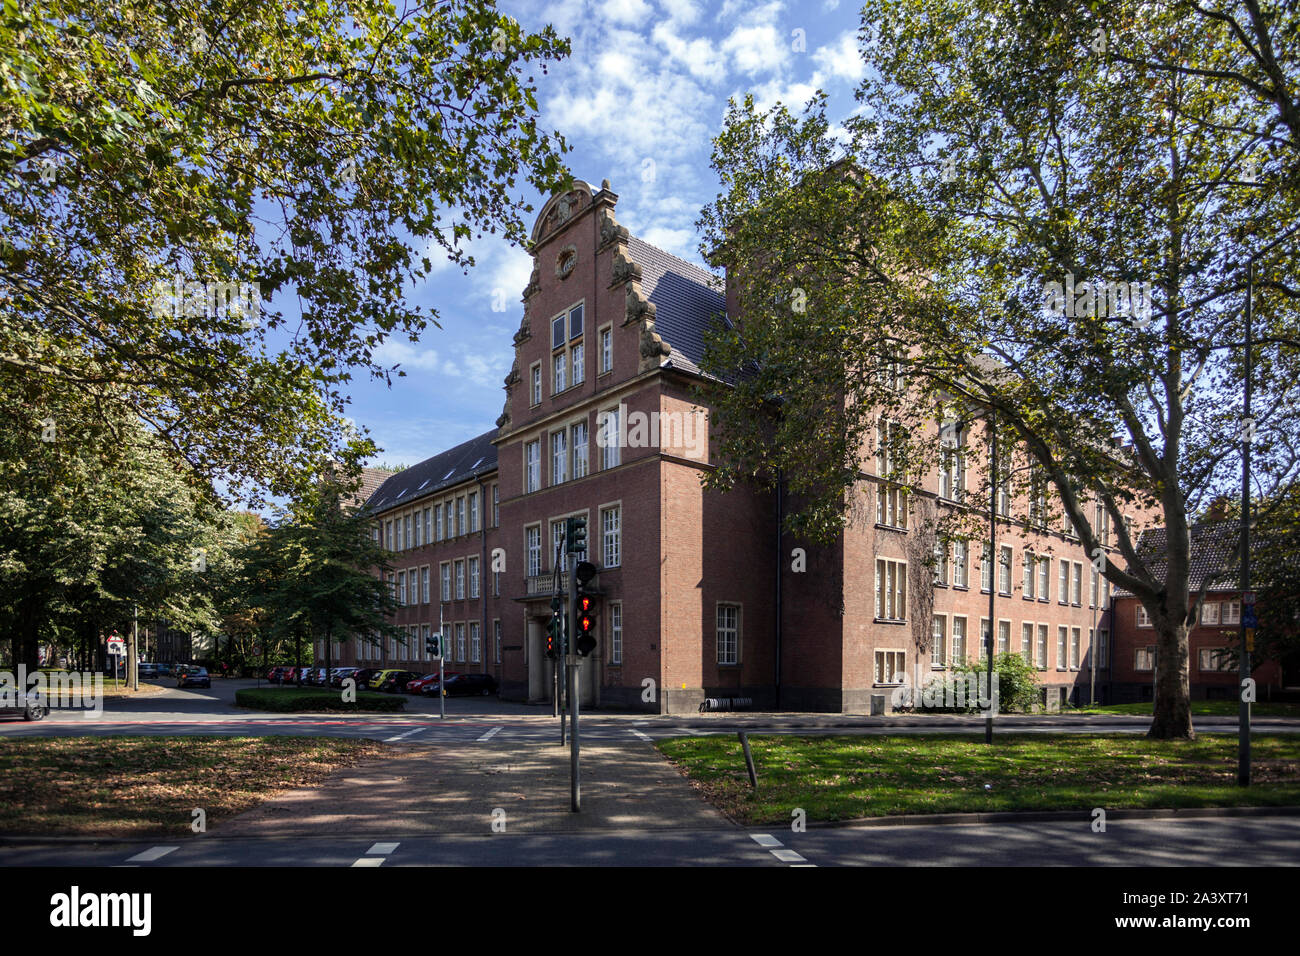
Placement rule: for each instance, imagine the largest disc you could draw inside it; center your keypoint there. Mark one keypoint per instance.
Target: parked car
(148, 671)
(339, 674)
(363, 675)
(396, 682)
(417, 686)
(463, 685)
(166, 670)
(431, 688)
(194, 677)
(27, 703)
(377, 681)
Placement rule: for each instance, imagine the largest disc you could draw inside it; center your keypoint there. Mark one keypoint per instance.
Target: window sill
(960, 587)
(890, 527)
(889, 620)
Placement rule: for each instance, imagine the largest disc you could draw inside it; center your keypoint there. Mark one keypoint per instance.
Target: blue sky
(639, 101)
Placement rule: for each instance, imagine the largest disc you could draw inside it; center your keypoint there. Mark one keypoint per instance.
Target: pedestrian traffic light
(586, 642)
(576, 535)
(433, 646)
(554, 634)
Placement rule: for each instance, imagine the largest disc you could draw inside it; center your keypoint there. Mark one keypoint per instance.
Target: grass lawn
(129, 786)
(315, 699)
(120, 688)
(843, 777)
(1200, 708)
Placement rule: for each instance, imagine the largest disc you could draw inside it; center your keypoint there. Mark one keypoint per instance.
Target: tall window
(580, 450)
(475, 642)
(460, 642)
(496, 641)
(575, 322)
(611, 537)
(445, 570)
(461, 527)
(473, 577)
(1042, 647)
(1143, 619)
(606, 349)
(941, 564)
(557, 332)
(406, 532)
(1004, 637)
(891, 506)
(1063, 584)
(1004, 571)
(537, 385)
(532, 466)
(401, 587)
(419, 530)
(473, 511)
(1145, 658)
(959, 640)
(559, 458)
(891, 590)
(1030, 568)
(533, 548)
(1210, 612)
(460, 580)
(437, 522)
(559, 360)
(428, 525)
(952, 471)
(889, 435)
(1044, 578)
(578, 356)
(1231, 612)
(728, 634)
(424, 585)
(1074, 648)
(608, 422)
(557, 535)
(1076, 585)
(960, 571)
(616, 632)
(986, 570)
(1062, 636)
(496, 506)
(1102, 646)
(1027, 642)
(938, 638)
(388, 536)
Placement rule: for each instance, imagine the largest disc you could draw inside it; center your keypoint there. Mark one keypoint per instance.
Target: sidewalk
(449, 789)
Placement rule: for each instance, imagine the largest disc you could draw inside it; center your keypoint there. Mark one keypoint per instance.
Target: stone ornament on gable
(625, 269)
(611, 230)
(638, 309)
(534, 282)
(565, 261)
(524, 333)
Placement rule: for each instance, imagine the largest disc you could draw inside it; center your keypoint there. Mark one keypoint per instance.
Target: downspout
(777, 622)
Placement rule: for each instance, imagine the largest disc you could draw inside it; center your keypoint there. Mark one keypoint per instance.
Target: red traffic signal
(585, 643)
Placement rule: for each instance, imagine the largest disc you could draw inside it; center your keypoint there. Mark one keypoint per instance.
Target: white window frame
(606, 333)
(938, 642)
(559, 456)
(891, 589)
(532, 465)
(533, 549)
(611, 535)
(727, 634)
(616, 632)
(890, 667)
(535, 374)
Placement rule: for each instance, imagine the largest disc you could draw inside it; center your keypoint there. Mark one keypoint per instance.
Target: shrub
(290, 699)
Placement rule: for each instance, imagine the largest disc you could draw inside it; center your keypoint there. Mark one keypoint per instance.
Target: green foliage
(293, 700)
(325, 154)
(1016, 681)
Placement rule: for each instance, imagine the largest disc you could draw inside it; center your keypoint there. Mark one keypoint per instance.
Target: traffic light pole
(571, 667)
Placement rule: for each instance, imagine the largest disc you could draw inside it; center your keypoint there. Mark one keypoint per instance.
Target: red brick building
(1213, 671)
(700, 596)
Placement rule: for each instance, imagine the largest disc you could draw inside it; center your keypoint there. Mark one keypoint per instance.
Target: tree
(1017, 229)
(173, 173)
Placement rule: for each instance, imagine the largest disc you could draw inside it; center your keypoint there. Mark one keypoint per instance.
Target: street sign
(1248, 599)
(1248, 618)
(117, 648)
(1250, 638)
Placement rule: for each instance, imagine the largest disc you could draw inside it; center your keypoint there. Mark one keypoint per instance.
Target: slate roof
(1214, 554)
(686, 299)
(478, 456)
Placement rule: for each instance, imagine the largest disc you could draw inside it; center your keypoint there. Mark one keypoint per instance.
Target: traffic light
(576, 536)
(433, 646)
(586, 642)
(554, 634)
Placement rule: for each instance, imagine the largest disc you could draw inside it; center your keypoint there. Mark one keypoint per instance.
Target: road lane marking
(490, 734)
(370, 861)
(383, 848)
(638, 733)
(154, 853)
(407, 734)
(765, 839)
(787, 856)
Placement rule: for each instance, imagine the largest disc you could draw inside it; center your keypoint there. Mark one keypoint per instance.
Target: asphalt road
(1213, 842)
(202, 711)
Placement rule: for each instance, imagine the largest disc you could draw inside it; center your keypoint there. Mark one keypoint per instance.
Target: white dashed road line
(154, 853)
(375, 855)
(645, 737)
(773, 846)
(490, 734)
(407, 734)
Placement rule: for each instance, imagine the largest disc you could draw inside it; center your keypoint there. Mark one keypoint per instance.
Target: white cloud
(794, 94)
(842, 59)
(407, 354)
(699, 56)
(626, 11)
(682, 243)
(682, 11)
(757, 48)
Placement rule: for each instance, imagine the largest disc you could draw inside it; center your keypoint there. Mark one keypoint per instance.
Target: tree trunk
(1172, 719)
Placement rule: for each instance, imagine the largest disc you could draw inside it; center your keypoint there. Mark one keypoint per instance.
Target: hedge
(291, 699)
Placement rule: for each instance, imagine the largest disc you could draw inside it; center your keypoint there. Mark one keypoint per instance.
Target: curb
(1049, 816)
